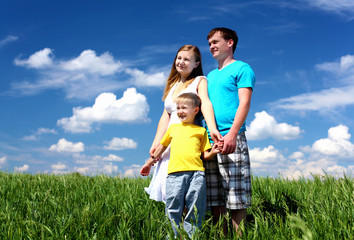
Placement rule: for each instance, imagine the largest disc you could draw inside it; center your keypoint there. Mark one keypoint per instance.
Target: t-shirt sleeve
(246, 78)
(205, 142)
(166, 139)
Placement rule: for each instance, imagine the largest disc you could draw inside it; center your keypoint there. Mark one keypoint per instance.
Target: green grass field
(72, 206)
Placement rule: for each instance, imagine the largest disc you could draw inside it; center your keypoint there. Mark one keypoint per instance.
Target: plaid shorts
(228, 178)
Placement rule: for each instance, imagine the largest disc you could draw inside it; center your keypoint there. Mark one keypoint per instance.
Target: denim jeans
(186, 189)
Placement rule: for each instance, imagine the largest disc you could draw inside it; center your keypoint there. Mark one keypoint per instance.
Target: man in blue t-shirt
(230, 88)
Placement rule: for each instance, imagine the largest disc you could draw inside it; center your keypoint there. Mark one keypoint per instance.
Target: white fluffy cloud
(40, 59)
(120, 144)
(24, 168)
(88, 61)
(265, 125)
(131, 108)
(140, 78)
(59, 168)
(109, 169)
(132, 171)
(96, 164)
(337, 144)
(3, 160)
(264, 159)
(332, 155)
(67, 147)
(89, 71)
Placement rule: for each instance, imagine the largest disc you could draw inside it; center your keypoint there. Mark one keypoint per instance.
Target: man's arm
(244, 95)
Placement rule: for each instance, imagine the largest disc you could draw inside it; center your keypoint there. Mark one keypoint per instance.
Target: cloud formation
(40, 131)
(338, 97)
(332, 155)
(24, 168)
(89, 71)
(265, 126)
(131, 108)
(8, 40)
(120, 144)
(96, 163)
(3, 160)
(65, 146)
(40, 59)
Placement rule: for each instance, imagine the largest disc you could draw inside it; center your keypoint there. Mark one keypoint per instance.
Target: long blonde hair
(175, 76)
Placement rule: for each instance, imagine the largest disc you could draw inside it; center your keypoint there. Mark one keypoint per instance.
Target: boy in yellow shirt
(185, 185)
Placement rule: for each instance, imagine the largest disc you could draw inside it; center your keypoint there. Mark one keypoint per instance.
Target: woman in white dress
(186, 76)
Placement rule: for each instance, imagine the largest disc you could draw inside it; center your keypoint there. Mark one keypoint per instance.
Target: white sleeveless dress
(157, 187)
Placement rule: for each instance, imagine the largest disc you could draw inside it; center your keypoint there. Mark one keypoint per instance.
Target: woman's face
(185, 63)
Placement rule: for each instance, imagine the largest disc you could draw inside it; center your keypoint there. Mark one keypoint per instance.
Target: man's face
(219, 47)
(186, 111)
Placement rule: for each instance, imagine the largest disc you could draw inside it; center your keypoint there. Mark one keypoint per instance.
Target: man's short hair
(227, 34)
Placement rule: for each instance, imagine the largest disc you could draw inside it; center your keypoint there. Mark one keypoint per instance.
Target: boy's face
(186, 111)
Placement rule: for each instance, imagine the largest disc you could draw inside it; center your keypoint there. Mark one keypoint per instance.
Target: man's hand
(229, 144)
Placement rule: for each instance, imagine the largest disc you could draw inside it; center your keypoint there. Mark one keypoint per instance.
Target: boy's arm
(207, 155)
(145, 170)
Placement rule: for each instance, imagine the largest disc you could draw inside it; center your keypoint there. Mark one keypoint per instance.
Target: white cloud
(39, 132)
(7, 40)
(109, 169)
(24, 168)
(131, 108)
(337, 143)
(139, 78)
(120, 144)
(82, 170)
(132, 171)
(89, 71)
(338, 97)
(265, 125)
(341, 7)
(3, 160)
(266, 158)
(324, 100)
(66, 146)
(96, 164)
(112, 158)
(88, 61)
(59, 166)
(40, 59)
(332, 155)
(343, 69)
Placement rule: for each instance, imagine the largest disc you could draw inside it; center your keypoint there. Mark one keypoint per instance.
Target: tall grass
(73, 206)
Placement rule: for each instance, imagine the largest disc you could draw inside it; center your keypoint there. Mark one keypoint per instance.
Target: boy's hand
(216, 148)
(145, 170)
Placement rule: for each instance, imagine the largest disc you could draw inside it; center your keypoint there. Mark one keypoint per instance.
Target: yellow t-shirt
(187, 141)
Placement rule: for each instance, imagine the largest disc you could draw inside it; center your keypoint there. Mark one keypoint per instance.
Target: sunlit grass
(73, 206)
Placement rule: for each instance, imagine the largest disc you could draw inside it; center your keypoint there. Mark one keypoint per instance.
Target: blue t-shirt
(223, 88)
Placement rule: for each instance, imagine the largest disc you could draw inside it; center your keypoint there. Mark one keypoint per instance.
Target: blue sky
(81, 81)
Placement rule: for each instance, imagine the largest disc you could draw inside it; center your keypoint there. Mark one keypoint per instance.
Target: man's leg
(237, 216)
(219, 214)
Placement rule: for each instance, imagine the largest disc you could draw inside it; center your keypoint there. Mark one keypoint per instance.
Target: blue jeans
(186, 189)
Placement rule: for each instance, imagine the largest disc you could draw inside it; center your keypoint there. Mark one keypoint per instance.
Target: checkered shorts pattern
(228, 178)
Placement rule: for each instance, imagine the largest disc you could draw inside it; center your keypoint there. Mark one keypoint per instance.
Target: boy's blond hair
(192, 98)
